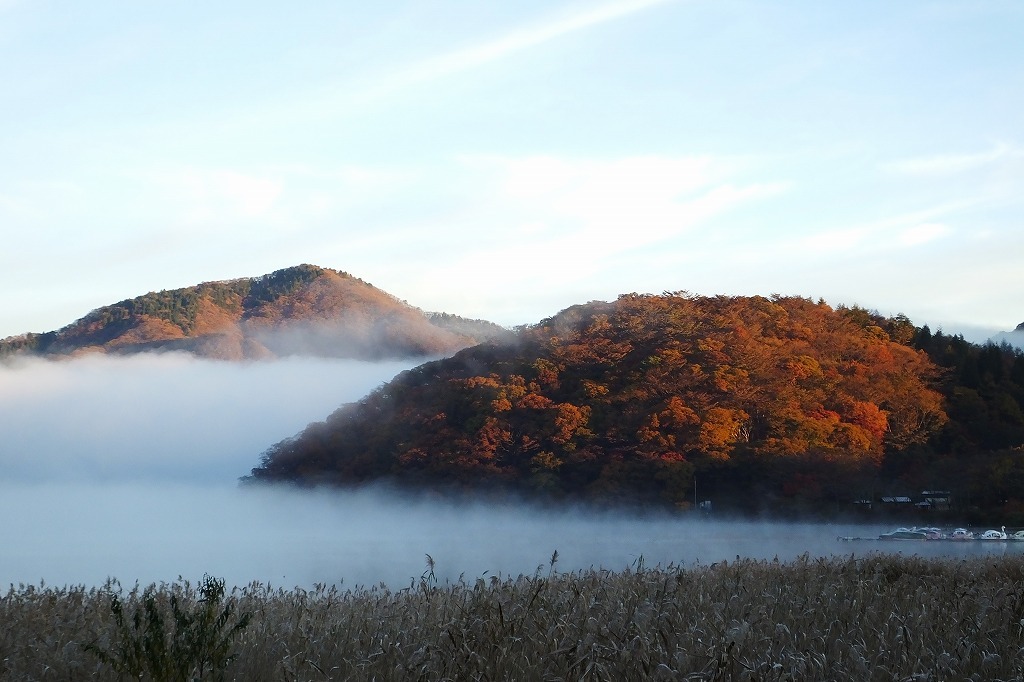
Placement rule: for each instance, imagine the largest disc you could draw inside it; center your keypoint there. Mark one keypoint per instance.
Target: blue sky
(506, 160)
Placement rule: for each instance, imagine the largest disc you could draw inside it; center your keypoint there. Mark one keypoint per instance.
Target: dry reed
(871, 618)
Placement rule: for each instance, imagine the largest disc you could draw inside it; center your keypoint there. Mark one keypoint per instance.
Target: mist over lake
(164, 417)
(128, 468)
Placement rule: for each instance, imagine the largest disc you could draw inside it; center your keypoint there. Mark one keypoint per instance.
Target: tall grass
(874, 618)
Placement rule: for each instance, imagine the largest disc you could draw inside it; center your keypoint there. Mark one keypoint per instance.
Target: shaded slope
(1014, 338)
(623, 400)
(304, 310)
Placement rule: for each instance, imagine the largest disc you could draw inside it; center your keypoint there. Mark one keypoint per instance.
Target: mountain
(1014, 338)
(302, 310)
(628, 400)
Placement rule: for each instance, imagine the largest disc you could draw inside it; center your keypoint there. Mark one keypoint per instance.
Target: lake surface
(68, 534)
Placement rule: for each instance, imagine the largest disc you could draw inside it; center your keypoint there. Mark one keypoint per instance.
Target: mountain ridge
(773, 403)
(300, 310)
(642, 388)
(1014, 338)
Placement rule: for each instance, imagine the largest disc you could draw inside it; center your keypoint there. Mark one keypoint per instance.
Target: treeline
(978, 455)
(26, 343)
(761, 403)
(181, 307)
(984, 390)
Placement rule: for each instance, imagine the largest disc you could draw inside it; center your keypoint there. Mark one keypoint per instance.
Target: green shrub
(194, 645)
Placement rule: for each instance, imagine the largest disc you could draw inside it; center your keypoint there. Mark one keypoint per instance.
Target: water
(83, 534)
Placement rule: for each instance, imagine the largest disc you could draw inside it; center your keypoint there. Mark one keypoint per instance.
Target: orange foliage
(626, 398)
(719, 431)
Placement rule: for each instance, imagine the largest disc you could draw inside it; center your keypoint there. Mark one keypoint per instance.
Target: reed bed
(879, 617)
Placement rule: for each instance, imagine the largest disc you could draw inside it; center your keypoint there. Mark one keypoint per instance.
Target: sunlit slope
(303, 310)
(624, 400)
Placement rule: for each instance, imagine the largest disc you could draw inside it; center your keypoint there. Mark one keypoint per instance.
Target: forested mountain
(303, 310)
(761, 399)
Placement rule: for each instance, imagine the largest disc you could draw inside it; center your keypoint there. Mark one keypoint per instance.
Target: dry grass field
(874, 618)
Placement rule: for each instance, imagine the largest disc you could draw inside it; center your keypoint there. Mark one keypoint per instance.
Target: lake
(81, 534)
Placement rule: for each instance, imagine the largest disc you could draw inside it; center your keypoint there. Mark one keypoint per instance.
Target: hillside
(303, 310)
(626, 401)
(1014, 338)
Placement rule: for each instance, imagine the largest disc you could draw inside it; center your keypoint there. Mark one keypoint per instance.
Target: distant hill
(627, 400)
(302, 310)
(1014, 338)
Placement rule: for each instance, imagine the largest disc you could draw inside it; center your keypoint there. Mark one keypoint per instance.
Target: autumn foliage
(624, 401)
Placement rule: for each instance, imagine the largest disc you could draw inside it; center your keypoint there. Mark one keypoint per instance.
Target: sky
(506, 160)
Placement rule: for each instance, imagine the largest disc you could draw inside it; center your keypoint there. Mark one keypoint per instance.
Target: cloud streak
(519, 40)
(515, 41)
(905, 231)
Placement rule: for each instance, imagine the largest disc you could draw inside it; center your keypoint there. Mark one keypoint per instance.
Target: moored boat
(944, 535)
(905, 534)
(993, 534)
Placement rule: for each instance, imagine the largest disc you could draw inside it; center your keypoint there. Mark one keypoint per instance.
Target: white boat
(1018, 536)
(905, 534)
(993, 534)
(963, 534)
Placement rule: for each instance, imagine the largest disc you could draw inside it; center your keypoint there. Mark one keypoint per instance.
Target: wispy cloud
(909, 230)
(477, 55)
(950, 164)
(896, 233)
(212, 194)
(923, 233)
(274, 196)
(546, 212)
(833, 241)
(651, 198)
(529, 37)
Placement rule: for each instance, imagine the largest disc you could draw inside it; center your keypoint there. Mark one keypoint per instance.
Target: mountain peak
(299, 310)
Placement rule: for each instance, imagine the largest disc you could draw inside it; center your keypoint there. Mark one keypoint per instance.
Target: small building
(936, 499)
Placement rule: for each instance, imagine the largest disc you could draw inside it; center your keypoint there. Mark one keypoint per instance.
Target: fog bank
(166, 417)
(128, 467)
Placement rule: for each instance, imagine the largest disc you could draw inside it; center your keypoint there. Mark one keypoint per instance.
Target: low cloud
(164, 417)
